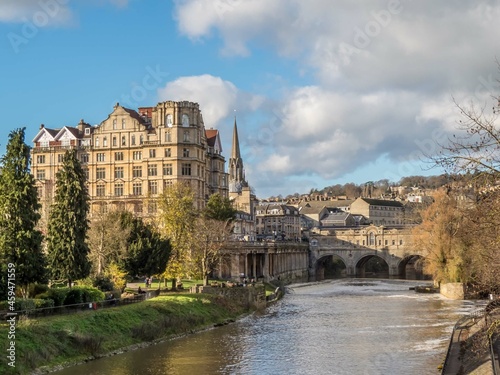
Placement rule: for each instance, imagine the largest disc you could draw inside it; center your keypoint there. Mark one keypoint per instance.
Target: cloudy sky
(324, 91)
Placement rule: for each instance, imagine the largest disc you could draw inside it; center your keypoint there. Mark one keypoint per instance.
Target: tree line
(180, 241)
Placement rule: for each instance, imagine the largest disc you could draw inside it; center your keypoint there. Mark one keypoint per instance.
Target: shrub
(104, 283)
(58, 295)
(74, 296)
(36, 289)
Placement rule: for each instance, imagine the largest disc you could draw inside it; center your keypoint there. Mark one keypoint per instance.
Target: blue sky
(324, 91)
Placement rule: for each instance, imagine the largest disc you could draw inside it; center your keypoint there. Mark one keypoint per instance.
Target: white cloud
(218, 99)
(42, 12)
(384, 75)
(39, 12)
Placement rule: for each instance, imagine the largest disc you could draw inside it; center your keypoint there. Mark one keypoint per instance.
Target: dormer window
(168, 120)
(114, 124)
(185, 120)
(87, 131)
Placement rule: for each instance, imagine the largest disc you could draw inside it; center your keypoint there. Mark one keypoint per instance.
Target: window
(386, 242)
(124, 141)
(40, 159)
(119, 190)
(186, 135)
(97, 142)
(168, 153)
(100, 190)
(137, 188)
(60, 158)
(101, 156)
(152, 207)
(118, 172)
(87, 131)
(44, 143)
(185, 120)
(65, 142)
(186, 169)
(118, 156)
(153, 187)
(40, 174)
(104, 141)
(168, 121)
(372, 239)
(136, 172)
(400, 242)
(152, 170)
(167, 183)
(185, 152)
(86, 173)
(137, 155)
(133, 140)
(141, 139)
(114, 141)
(168, 136)
(84, 158)
(152, 153)
(114, 124)
(167, 169)
(124, 123)
(100, 173)
(393, 242)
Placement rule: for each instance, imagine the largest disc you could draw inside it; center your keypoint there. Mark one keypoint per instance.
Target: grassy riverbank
(57, 340)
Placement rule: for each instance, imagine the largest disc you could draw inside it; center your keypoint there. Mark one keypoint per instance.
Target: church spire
(235, 151)
(236, 171)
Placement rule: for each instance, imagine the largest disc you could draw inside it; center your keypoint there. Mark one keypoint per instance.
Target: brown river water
(346, 326)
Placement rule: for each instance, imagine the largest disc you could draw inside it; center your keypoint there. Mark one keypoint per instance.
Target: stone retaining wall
(453, 290)
(250, 296)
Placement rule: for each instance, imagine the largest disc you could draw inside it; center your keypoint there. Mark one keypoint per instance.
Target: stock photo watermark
(47, 10)
(11, 315)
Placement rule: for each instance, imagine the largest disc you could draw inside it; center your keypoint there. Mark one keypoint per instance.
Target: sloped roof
(382, 202)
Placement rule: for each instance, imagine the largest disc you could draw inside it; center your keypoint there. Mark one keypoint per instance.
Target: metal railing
(80, 307)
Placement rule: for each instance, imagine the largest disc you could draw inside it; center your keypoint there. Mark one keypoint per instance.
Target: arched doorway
(330, 267)
(372, 266)
(412, 268)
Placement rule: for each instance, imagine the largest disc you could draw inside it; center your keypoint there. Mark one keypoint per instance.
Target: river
(347, 326)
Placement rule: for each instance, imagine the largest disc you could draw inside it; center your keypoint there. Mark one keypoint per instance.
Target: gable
(44, 135)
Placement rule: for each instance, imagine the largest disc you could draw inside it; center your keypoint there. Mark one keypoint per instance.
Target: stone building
(131, 156)
(277, 221)
(379, 211)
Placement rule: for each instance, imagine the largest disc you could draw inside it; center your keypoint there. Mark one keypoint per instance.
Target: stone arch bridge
(356, 246)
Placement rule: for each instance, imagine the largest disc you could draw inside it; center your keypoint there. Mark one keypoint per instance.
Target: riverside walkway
(459, 360)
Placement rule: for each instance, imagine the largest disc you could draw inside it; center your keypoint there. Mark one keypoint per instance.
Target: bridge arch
(411, 267)
(330, 267)
(372, 265)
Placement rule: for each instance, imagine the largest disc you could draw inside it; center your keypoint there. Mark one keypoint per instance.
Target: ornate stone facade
(131, 156)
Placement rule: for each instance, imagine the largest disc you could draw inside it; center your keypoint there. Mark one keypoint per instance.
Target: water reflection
(349, 326)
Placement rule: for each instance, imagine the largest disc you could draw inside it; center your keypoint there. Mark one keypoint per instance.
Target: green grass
(58, 339)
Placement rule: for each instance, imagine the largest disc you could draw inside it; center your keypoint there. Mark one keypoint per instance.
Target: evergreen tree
(148, 253)
(68, 223)
(219, 208)
(20, 241)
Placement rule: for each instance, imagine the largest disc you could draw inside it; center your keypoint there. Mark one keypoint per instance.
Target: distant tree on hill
(20, 241)
(68, 224)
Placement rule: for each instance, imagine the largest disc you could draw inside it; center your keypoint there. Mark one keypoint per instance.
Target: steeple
(235, 151)
(236, 172)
